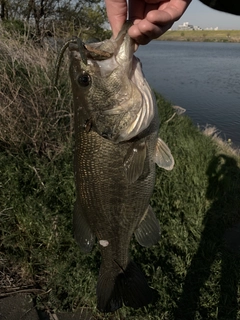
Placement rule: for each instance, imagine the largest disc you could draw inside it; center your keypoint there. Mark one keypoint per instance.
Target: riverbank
(202, 35)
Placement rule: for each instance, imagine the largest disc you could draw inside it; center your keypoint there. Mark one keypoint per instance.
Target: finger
(158, 21)
(154, 1)
(173, 10)
(117, 14)
(160, 17)
(136, 9)
(144, 31)
(144, 27)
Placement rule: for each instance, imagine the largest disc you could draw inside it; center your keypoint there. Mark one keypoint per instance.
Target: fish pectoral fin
(82, 232)
(163, 156)
(134, 161)
(148, 232)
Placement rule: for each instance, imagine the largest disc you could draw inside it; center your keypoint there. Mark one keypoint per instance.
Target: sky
(200, 15)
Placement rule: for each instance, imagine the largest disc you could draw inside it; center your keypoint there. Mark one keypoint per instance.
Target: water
(202, 77)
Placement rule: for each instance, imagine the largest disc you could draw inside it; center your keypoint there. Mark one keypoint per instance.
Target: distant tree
(85, 17)
(39, 10)
(75, 17)
(4, 9)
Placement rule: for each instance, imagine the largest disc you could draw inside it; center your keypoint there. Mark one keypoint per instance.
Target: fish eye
(84, 79)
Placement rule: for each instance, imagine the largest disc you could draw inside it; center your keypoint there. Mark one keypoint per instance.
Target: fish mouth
(122, 47)
(89, 51)
(99, 51)
(125, 44)
(112, 52)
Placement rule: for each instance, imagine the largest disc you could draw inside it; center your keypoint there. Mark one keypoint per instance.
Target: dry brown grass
(223, 145)
(33, 112)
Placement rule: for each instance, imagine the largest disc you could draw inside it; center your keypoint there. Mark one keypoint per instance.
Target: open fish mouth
(86, 51)
(108, 54)
(122, 47)
(121, 51)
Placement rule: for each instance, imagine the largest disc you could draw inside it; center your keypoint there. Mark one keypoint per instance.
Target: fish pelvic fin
(163, 156)
(128, 287)
(148, 232)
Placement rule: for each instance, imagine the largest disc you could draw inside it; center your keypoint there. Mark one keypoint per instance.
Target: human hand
(151, 18)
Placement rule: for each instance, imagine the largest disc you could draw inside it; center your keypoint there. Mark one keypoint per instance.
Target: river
(202, 77)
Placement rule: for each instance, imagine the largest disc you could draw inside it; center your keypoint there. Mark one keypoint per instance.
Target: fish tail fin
(127, 286)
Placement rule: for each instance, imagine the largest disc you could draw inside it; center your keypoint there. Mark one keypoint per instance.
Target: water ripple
(203, 78)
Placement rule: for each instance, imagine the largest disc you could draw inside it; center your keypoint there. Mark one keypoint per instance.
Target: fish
(116, 127)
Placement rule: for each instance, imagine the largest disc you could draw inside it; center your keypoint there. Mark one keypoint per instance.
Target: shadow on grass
(198, 298)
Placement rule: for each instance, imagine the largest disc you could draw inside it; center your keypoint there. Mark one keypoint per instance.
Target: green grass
(195, 274)
(202, 35)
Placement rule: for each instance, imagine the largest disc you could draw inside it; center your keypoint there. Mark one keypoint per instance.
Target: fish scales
(103, 185)
(116, 148)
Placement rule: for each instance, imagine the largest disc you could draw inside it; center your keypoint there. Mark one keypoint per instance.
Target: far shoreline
(232, 36)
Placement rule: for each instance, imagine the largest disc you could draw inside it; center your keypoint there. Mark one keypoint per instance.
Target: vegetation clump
(202, 35)
(193, 268)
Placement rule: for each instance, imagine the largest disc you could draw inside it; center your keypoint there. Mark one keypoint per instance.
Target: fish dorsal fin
(148, 232)
(163, 156)
(82, 232)
(134, 161)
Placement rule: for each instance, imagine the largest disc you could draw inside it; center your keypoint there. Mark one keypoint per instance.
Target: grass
(202, 35)
(196, 276)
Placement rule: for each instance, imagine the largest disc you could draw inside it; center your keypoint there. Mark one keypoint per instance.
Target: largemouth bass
(116, 148)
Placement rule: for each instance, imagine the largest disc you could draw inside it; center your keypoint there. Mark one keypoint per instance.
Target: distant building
(197, 28)
(187, 26)
(211, 28)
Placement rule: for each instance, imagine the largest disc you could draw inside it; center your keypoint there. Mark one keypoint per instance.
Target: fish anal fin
(134, 161)
(148, 232)
(127, 286)
(82, 232)
(163, 156)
